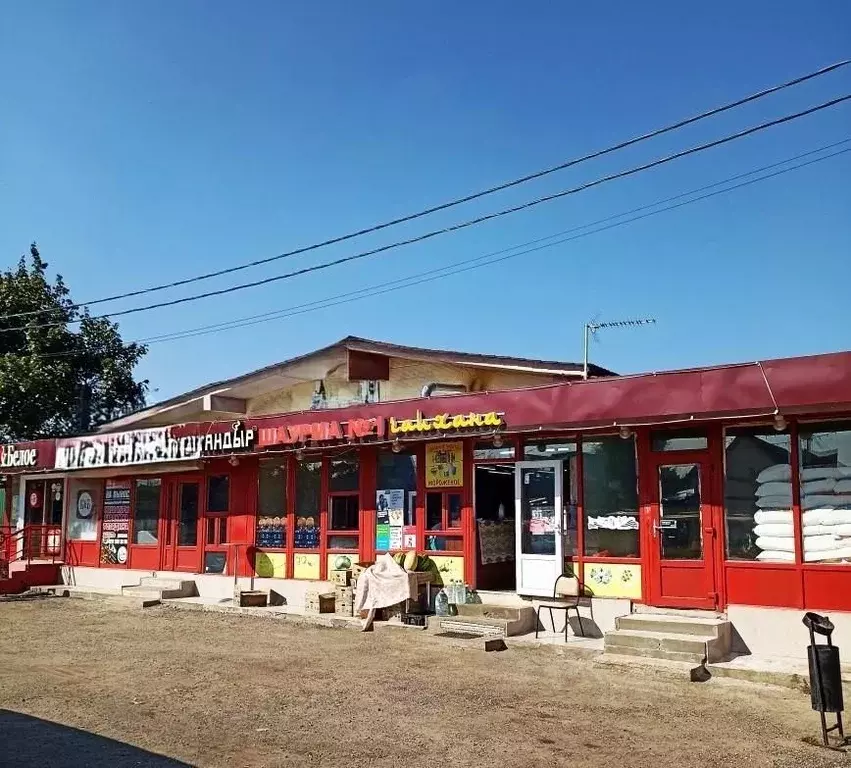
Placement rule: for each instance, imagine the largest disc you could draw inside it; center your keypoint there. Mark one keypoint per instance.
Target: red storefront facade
(689, 489)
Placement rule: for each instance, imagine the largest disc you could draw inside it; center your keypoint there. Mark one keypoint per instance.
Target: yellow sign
(449, 569)
(444, 465)
(615, 580)
(270, 565)
(306, 567)
(444, 421)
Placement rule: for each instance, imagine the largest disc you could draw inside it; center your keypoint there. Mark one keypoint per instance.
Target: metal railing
(39, 543)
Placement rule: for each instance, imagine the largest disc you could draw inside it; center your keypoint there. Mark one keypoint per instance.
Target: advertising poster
(116, 523)
(389, 519)
(444, 465)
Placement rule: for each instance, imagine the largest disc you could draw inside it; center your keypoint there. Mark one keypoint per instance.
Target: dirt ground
(217, 690)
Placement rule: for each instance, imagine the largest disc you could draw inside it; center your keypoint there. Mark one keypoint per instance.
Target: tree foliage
(61, 370)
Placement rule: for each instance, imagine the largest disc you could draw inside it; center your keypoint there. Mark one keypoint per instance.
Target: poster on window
(116, 523)
(444, 465)
(389, 519)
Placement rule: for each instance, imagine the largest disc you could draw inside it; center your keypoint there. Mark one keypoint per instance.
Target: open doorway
(495, 532)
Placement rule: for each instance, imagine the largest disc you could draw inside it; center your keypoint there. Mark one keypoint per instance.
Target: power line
(247, 321)
(487, 259)
(461, 225)
(459, 201)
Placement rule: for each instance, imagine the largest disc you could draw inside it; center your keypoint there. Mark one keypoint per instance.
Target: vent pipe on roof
(429, 389)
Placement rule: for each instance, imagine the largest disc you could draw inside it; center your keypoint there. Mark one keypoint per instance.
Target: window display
(758, 495)
(84, 499)
(610, 504)
(395, 521)
(272, 504)
(146, 511)
(308, 482)
(825, 478)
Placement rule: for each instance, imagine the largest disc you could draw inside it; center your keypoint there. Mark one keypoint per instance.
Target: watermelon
(399, 559)
(410, 562)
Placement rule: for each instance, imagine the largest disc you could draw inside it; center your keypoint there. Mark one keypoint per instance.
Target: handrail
(42, 543)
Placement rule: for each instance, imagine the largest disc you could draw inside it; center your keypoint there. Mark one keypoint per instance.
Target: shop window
(187, 534)
(678, 440)
(610, 503)
(272, 504)
(84, 501)
(146, 511)
(488, 451)
(758, 495)
(566, 452)
(344, 475)
(55, 502)
(308, 484)
(215, 562)
(218, 493)
(344, 521)
(825, 478)
(443, 514)
(396, 499)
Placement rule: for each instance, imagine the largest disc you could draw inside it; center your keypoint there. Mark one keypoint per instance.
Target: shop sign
(444, 465)
(321, 432)
(10, 456)
(149, 446)
(116, 523)
(445, 422)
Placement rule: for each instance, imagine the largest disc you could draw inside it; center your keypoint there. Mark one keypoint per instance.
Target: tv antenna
(592, 328)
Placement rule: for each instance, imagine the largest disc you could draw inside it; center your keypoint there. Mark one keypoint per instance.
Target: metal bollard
(825, 675)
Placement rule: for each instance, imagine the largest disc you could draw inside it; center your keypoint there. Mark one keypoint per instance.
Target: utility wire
(488, 259)
(461, 225)
(465, 199)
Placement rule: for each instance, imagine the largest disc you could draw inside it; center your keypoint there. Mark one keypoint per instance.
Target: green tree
(61, 371)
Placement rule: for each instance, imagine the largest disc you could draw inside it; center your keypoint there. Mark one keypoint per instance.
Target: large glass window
(308, 484)
(610, 487)
(344, 474)
(825, 461)
(396, 517)
(84, 500)
(146, 510)
(218, 493)
(758, 495)
(272, 504)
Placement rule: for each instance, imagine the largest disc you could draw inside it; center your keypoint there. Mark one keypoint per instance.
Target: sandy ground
(217, 690)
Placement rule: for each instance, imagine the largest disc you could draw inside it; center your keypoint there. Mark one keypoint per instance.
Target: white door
(539, 526)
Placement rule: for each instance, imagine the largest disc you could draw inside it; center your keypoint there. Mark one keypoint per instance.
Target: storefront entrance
(181, 524)
(682, 535)
(540, 525)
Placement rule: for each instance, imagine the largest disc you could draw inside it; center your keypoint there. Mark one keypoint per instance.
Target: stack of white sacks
(826, 508)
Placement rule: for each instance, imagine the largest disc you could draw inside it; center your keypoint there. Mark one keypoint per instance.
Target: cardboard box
(341, 578)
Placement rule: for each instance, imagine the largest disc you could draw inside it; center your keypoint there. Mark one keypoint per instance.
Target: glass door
(539, 526)
(180, 548)
(683, 537)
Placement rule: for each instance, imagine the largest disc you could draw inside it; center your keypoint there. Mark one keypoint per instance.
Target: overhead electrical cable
(462, 225)
(461, 200)
(491, 258)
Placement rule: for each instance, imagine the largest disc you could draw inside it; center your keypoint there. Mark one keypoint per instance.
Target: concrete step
(676, 647)
(686, 612)
(161, 589)
(492, 628)
(670, 668)
(670, 624)
(510, 620)
(507, 598)
(93, 593)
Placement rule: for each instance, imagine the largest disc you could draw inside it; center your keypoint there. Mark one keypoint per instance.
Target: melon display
(342, 563)
(410, 561)
(399, 559)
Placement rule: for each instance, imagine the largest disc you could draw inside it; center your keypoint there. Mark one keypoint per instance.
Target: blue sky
(146, 142)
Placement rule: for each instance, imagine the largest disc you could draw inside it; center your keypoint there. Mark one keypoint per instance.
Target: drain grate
(452, 635)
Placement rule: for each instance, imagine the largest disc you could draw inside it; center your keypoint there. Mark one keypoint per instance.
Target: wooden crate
(316, 602)
(253, 599)
(340, 578)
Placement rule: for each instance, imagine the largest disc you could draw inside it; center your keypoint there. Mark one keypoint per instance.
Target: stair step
(691, 613)
(472, 627)
(154, 581)
(683, 647)
(680, 625)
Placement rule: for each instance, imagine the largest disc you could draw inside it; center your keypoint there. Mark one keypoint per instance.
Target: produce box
(342, 578)
(316, 602)
(253, 599)
(358, 569)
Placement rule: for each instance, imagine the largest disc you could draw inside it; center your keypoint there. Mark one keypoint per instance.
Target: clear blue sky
(145, 142)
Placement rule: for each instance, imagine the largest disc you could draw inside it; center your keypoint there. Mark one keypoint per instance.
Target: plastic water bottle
(441, 603)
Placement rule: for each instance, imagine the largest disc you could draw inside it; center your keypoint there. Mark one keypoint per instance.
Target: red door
(683, 538)
(182, 523)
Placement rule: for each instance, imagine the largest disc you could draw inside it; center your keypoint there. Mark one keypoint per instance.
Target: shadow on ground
(30, 741)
